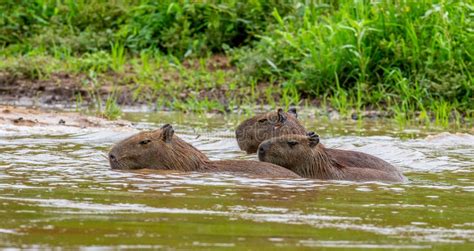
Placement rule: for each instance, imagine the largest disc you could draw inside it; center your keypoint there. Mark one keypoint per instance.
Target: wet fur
(253, 167)
(320, 162)
(166, 151)
(250, 133)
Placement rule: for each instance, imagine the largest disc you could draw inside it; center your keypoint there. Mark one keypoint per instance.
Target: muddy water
(56, 189)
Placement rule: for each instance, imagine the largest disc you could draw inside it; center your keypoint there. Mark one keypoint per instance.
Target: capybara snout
(262, 149)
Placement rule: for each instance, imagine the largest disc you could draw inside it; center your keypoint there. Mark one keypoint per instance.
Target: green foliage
(413, 58)
(118, 56)
(30, 67)
(361, 45)
(82, 26)
(112, 109)
(181, 28)
(100, 62)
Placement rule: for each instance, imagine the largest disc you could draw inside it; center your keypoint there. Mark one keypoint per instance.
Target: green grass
(117, 50)
(412, 58)
(112, 110)
(414, 52)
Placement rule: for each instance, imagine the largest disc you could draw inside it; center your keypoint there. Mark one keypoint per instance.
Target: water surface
(56, 189)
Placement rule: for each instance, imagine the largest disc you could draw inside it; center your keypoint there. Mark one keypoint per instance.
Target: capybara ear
(281, 116)
(309, 134)
(292, 110)
(313, 139)
(167, 133)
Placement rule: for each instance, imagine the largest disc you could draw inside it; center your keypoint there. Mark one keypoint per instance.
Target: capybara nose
(265, 146)
(262, 149)
(112, 157)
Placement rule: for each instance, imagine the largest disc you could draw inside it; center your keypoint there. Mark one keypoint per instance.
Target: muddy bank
(19, 116)
(64, 89)
(20, 85)
(69, 90)
(176, 90)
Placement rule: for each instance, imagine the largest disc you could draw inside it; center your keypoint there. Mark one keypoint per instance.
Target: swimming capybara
(162, 149)
(255, 130)
(306, 156)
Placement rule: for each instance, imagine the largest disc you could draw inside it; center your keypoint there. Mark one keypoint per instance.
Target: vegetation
(410, 58)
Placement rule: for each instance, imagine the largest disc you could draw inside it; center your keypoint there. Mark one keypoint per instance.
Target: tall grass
(361, 46)
(118, 56)
(182, 28)
(413, 58)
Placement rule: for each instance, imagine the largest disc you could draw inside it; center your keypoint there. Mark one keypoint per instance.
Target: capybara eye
(292, 143)
(262, 120)
(144, 142)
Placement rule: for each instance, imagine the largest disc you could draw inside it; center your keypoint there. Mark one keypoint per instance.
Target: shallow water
(56, 189)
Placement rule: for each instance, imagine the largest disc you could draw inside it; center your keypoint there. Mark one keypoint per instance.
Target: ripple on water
(63, 171)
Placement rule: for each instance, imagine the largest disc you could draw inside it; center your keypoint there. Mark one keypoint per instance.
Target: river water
(57, 190)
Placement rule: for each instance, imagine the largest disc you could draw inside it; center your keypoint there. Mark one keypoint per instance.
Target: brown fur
(253, 167)
(161, 149)
(305, 156)
(251, 132)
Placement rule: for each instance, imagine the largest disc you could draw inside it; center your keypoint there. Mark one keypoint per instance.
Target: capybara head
(299, 153)
(157, 149)
(255, 130)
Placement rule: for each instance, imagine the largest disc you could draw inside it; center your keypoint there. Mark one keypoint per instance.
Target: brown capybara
(161, 149)
(255, 130)
(304, 155)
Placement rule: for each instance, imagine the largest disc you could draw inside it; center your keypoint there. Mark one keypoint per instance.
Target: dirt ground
(57, 89)
(21, 116)
(64, 88)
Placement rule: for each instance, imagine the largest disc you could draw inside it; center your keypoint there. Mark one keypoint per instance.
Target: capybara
(162, 149)
(257, 129)
(306, 156)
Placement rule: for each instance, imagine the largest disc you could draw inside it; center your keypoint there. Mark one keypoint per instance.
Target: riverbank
(212, 84)
(410, 61)
(35, 117)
